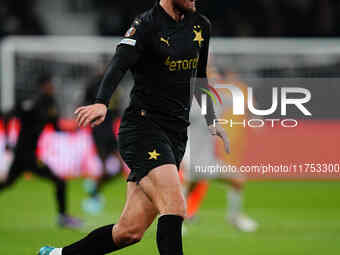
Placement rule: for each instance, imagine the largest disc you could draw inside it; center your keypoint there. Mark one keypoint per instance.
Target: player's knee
(128, 236)
(182, 209)
(176, 206)
(238, 183)
(134, 237)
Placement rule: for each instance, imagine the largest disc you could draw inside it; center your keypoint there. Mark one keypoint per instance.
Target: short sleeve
(136, 35)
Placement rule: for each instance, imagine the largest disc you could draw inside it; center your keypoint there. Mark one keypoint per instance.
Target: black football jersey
(168, 54)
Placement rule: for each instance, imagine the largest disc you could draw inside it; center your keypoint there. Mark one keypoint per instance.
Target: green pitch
(295, 218)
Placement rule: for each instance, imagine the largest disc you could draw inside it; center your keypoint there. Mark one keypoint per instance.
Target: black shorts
(145, 144)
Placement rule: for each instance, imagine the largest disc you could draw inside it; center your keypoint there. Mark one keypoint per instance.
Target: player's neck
(171, 10)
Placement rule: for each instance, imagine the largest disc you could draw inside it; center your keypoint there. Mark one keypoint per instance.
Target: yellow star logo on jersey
(198, 35)
(154, 155)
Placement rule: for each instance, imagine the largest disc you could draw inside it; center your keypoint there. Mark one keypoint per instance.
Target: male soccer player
(34, 114)
(165, 47)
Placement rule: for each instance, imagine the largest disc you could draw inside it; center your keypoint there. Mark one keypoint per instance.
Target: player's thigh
(43, 171)
(163, 186)
(138, 213)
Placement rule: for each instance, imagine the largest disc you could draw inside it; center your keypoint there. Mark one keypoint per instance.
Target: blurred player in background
(195, 184)
(5, 154)
(34, 114)
(106, 145)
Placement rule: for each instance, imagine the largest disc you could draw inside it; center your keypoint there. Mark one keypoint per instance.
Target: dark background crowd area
(17, 17)
(230, 18)
(254, 18)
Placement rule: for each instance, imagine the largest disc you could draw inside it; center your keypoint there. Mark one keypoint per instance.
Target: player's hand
(217, 130)
(92, 114)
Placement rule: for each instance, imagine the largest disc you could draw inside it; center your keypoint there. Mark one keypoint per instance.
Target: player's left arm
(214, 128)
(125, 57)
(128, 52)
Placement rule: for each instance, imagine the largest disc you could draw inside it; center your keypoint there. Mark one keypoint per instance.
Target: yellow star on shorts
(154, 155)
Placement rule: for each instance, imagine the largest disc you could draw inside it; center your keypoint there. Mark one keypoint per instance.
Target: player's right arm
(127, 55)
(214, 129)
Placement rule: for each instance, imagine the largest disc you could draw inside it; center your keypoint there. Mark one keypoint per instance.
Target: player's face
(185, 5)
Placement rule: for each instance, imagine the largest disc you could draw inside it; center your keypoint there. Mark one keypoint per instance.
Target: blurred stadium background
(73, 40)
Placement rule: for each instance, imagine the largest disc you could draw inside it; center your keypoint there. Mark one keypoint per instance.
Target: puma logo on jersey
(165, 41)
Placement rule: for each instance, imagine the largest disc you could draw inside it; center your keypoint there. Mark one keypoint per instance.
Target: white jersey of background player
(201, 153)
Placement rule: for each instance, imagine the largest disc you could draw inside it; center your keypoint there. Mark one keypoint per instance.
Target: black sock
(98, 242)
(61, 196)
(169, 235)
